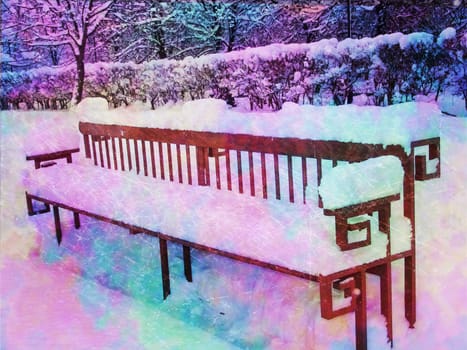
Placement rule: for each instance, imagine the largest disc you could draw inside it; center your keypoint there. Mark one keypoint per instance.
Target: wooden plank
(164, 267)
(114, 153)
(187, 263)
(153, 159)
(179, 163)
(364, 207)
(304, 178)
(239, 172)
(101, 152)
(169, 160)
(58, 228)
(161, 160)
(410, 290)
(120, 149)
(130, 166)
(218, 172)
(228, 169)
(206, 163)
(145, 157)
(94, 153)
(277, 176)
(43, 157)
(361, 313)
(384, 273)
(252, 173)
(76, 220)
(188, 164)
(135, 147)
(319, 176)
(264, 175)
(290, 177)
(107, 153)
(201, 166)
(87, 150)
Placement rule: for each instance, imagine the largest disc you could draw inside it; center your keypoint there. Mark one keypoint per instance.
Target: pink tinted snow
(349, 184)
(397, 124)
(300, 236)
(278, 316)
(42, 310)
(47, 138)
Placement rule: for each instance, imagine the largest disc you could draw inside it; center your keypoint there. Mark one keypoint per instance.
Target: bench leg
(58, 229)
(410, 294)
(164, 267)
(29, 205)
(31, 211)
(360, 312)
(385, 286)
(187, 263)
(76, 220)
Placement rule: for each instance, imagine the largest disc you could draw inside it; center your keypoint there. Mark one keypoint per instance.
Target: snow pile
(92, 105)
(47, 138)
(393, 125)
(300, 236)
(361, 182)
(447, 34)
(415, 39)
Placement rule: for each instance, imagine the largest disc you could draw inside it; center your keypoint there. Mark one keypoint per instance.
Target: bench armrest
(342, 216)
(430, 155)
(40, 159)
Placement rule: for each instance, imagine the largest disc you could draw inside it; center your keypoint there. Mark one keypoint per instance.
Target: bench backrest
(268, 167)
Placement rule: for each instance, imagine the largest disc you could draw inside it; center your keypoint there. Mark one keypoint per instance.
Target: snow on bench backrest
(267, 167)
(391, 125)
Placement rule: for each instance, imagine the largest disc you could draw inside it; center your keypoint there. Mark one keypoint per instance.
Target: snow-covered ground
(101, 289)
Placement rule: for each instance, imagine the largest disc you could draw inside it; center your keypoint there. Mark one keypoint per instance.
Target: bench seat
(291, 235)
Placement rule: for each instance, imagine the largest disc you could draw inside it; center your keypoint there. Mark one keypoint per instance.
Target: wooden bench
(272, 170)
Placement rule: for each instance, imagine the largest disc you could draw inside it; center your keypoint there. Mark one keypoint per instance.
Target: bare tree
(56, 23)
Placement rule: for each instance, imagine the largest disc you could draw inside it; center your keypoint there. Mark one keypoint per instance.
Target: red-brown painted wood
(58, 228)
(170, 162)
(221, 144)
(161, 160)
(228, 170)
(164, 267)
(277, 176)
(145, 157)
(41, 158)
(304, 179)
(122, 158)
(187, 263)
(179, 163)
(290, 178)
(114, 153)
(239, 172)
(188, 164)
(130, 164)
(107, 152)
(251, 171)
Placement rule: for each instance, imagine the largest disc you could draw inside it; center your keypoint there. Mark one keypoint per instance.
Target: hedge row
(387, 69)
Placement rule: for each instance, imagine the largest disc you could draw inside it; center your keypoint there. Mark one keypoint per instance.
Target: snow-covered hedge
(383, 70)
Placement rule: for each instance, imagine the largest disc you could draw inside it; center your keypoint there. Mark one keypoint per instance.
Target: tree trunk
(79, 77)
(349, 19)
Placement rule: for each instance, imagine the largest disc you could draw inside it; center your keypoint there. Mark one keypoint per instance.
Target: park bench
(217, 180)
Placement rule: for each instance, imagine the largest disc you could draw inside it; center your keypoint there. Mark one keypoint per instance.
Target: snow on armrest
(358, 189)
(351, 184)
(47, 138)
